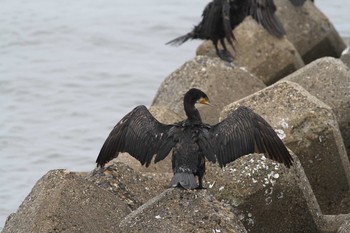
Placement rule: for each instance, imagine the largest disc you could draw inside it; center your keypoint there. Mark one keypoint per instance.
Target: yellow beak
(204, 101)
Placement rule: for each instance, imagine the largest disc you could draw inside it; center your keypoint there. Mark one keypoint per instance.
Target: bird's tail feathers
(184, 180)
(181, 39)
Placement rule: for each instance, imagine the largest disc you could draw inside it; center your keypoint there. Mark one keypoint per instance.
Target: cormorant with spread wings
(220, 17)
(192, 141)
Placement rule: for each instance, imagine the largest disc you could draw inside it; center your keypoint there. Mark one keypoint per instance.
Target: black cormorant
(193, 141)
(220, 17)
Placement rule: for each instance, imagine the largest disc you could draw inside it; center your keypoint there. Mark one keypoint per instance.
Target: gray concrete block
(312, 34)
(328, 79)
(132, 187)
(266, 195)
(309, 128)
(178, 210)
(62, 201)
(345, 227)
(222, 82)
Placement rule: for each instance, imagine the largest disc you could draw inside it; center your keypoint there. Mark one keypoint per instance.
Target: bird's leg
(200, 181)
(225, 54)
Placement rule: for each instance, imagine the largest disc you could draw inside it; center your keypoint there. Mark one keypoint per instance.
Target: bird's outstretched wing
(297, 2)
(139, 134)
(263, 11)
(244, 132)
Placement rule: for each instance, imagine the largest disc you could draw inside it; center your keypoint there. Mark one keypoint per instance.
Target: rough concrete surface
(62, 201)
(309, 128)
(131, 186)
(178, 210)
(345, 227)
(311, 32)
(265, 195)
(328, 79)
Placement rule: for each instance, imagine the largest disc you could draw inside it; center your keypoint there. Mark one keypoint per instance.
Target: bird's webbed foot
(200, 187)
(225, 55)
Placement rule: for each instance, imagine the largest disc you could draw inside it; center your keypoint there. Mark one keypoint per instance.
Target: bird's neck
(192, 113)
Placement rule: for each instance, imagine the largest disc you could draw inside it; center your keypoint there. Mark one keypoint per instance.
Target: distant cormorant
(220, 17)
(192, 141)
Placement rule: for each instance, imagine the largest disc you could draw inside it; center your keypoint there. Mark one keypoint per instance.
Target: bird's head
(194, 96)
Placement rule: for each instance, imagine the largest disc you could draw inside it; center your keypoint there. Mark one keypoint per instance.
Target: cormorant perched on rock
(192, 141)
(220, 17)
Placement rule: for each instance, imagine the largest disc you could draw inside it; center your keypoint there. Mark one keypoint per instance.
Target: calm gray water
(69, 70)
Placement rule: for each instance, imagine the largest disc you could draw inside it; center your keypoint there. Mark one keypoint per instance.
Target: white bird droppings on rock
(281, 134)
(243, 68)
(280, 195)
(211, 185)
(284, 124)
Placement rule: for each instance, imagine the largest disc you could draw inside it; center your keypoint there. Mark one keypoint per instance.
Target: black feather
(263, 11)
(221, 17)
(137, 133)
(249, 133)
(191, 141)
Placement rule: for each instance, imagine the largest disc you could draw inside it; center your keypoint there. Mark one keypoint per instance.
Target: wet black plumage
(192, 141)
(220, 17)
